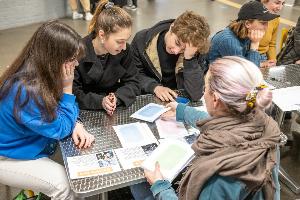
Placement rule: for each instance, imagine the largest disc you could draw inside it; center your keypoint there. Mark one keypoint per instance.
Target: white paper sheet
(287, 99)
(134, 156)
(134, 134)
(276, 73)
(173, 155)
(93, 164)
(150, 112)
(170, 128)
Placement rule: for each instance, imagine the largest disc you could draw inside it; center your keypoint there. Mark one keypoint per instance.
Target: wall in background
(14, 13)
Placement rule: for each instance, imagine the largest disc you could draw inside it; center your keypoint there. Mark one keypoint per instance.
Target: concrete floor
(218, 13)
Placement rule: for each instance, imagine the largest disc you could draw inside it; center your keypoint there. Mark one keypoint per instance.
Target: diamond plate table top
(282, 76)
(100, 125)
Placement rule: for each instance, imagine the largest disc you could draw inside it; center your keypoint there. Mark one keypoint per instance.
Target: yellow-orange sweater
(267, 45)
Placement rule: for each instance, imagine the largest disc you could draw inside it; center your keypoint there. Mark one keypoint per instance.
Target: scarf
(239, 148)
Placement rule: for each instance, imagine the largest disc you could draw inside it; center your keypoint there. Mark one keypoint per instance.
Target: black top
(96, 76)
(191, 78)
(167, 63)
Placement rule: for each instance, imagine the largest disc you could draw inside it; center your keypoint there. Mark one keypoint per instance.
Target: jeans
(141, 191)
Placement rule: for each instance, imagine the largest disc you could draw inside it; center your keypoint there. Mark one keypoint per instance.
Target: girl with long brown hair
(38, 109)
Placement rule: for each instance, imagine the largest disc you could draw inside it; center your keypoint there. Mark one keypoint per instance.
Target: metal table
(282, 77)
(100, 125)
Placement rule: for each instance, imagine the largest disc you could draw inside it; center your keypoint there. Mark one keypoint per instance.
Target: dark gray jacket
(189, 77)
(290, 53)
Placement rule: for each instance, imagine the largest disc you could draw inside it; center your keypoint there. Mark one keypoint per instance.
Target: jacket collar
(157, 28)
(90, 55)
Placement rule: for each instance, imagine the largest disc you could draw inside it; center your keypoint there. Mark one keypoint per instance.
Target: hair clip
(251, 96)
(261, 86)
(109, 5)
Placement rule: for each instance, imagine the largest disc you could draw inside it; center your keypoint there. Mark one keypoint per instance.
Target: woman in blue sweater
(38, 109)
(242, 36)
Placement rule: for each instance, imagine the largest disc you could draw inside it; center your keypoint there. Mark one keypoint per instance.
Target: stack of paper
(150, 112)
(134, 134)
(93, 164)
(287, 99)
(172, 156)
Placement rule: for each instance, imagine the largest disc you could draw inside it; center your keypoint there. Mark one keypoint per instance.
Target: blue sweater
(226, 43)
(34, 138)
(189, 115)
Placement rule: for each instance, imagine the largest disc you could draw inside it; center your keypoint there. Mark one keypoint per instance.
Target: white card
(134, 156)
(287, 99)
(170, 128)
(134, 134)
(150, 112)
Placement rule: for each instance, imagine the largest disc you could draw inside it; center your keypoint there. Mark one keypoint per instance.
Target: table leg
(288, 181)
(104, 196)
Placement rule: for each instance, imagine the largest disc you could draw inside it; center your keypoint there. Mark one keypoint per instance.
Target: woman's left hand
(268, 63)
(81, 137)
(153, 176)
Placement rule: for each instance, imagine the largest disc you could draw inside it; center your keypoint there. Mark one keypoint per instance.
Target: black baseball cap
(255, 10)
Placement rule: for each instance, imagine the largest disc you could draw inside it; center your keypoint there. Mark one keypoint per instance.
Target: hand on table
(81, 137)
(109, 103)
(268, 63)
(165, 93)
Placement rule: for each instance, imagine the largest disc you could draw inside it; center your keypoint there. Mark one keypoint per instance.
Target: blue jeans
(141, 191)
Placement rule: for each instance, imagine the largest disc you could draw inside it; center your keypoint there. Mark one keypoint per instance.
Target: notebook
(172, 155)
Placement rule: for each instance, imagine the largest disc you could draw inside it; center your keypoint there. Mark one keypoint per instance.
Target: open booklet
(93, 164)
(172, 155)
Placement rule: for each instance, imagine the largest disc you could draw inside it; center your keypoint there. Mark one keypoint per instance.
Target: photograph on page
(93, 164)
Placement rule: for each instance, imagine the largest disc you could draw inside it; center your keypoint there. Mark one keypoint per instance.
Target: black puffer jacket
(190, 77)
(290, 53)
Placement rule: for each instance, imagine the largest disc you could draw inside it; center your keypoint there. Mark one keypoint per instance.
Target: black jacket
(93, 81)
(290, 53)
(190, 78)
